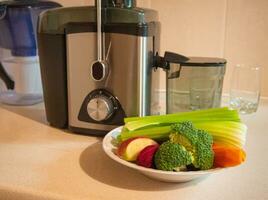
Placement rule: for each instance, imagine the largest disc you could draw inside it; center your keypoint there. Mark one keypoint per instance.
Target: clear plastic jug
(195, 84)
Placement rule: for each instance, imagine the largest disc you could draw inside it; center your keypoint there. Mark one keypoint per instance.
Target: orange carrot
(227, 156)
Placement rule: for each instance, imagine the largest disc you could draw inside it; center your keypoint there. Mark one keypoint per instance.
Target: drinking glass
(245, 88)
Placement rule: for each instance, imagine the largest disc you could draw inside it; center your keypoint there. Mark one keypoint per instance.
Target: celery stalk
(212, 110)
(157, 133)
(219, 114)
(227, 132)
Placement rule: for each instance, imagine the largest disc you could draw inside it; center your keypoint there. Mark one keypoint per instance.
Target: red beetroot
(146, 156)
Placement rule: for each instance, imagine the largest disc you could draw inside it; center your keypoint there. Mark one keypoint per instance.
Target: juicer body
(94, 100)
(128, 80)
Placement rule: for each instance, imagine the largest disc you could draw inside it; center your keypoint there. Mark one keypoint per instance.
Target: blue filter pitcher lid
(28, 3)
(18, 22)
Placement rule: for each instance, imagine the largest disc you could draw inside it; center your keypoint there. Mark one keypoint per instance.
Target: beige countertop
(41, 162)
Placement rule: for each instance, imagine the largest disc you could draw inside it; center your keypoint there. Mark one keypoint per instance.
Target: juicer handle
(175, 58)
(99, 68)
(169, 57)
(10, 84)
(99, 31)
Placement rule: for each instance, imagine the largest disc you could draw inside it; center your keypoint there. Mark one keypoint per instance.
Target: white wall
(246, 38)
(234, 29)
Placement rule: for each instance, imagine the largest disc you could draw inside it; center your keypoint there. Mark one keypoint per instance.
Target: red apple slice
(130, 149)
(122, 148)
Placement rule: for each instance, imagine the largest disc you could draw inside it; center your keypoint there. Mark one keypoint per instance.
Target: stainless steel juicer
(96, 64)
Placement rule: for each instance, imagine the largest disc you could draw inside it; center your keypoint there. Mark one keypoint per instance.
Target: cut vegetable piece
(227, 156)
(228, 133)
(214, 110)
(130, 149)
(219, 114)
(146, 156)
(157, 133)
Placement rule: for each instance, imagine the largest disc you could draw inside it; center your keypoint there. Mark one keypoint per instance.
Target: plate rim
(106, 147)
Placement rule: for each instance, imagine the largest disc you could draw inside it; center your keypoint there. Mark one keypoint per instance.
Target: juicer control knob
(100, 108)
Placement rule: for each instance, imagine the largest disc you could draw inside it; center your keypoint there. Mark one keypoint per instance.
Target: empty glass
(245, 88)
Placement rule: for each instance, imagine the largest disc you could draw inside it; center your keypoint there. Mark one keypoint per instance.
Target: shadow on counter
(96, 164)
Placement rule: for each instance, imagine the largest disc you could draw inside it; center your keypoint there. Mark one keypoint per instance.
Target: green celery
(157, 133)
(232, 133)
(220, 114)
(212, 110)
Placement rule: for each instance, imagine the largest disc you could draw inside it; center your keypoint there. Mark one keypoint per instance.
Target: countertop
(41, 162)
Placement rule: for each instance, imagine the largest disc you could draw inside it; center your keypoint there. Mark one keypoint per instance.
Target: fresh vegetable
(226, 132)
(156, 132)
(130, 149)
(122, 147)
(215, 114)
(204, 156)
(185, 134)
(186, 140)
(197, 142)
(228, 156)
(146, 156)
(222, 123)
(172, 157)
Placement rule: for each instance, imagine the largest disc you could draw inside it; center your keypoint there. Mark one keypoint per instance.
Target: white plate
(166, 176)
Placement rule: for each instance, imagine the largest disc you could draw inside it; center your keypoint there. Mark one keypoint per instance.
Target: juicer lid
(27, 3)
(204, 62)
(136, 17)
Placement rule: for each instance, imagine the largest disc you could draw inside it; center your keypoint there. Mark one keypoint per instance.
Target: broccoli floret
(172, 157)
(197, 142)
(184, 133)
(205, 155)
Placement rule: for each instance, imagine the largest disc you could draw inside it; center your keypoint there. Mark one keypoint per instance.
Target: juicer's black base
(88, 132)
